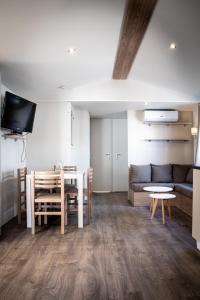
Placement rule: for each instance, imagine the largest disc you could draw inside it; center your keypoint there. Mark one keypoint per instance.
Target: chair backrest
(70, 168)
(47, 180)
(21, 178)
(89, 182)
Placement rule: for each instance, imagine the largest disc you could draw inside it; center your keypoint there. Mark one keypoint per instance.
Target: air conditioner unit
(151, 115)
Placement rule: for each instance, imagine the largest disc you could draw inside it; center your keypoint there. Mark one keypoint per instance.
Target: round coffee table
(164, 198)
(157, 189)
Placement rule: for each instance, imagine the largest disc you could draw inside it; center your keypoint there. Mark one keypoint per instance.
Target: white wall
(51, 140)
(47, 143)
(80, 149)
(10, 161)
(142, 152)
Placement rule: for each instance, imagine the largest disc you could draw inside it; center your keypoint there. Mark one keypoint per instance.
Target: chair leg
(62, 224)
(19, 213)
(62, 218)
(39, 217)
(33, 224)
(45, 217)
(66, 212)
(89, 210)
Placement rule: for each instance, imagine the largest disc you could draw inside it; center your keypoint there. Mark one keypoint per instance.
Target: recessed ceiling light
(71, 51)
(61, 87)
(172, 46)
(145, 103)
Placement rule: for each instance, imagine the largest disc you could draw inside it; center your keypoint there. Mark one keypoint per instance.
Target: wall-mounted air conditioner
(152, 115)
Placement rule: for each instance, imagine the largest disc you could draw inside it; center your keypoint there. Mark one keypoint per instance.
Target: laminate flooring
(122, 254)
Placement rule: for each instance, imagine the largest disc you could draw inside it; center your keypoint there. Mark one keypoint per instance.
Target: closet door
(120, 155)
(101, 154)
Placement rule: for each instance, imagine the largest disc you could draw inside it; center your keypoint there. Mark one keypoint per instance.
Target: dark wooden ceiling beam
(135, 21)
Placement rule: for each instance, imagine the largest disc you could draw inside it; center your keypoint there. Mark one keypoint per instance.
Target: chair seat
(42, 192)
(71, 189)
(46, 198)
(68, 185)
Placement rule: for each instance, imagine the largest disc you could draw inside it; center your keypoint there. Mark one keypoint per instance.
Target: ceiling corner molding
(136, 18)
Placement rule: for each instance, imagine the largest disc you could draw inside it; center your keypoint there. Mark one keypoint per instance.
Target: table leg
(151, 205)
(169, 210)
(155, 202)
(163, 212)
(80, 201)
(28, 202)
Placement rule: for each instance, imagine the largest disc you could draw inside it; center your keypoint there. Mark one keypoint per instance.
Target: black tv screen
(17, 113)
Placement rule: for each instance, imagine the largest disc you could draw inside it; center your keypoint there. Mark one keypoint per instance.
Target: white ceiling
(173, 21)
(35, 35)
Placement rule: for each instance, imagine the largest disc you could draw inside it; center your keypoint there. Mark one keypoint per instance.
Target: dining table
(68, 175)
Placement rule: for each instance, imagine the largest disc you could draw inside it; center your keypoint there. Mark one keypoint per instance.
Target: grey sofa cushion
(180, 173)
(189, 177)
(161, 173)
(141, 173)
(138, 187)
(184, 188)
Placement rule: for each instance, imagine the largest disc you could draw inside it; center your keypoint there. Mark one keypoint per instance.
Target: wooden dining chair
(21, 195)
(71, 184)
(46, 202)
(72, 192)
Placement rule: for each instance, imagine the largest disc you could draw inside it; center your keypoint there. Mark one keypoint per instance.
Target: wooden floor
(121, 255)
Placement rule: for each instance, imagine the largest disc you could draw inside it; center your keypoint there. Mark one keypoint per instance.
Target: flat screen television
(17, 114)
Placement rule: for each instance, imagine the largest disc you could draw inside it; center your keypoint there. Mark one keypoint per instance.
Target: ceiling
(35, 36)
(173, 21)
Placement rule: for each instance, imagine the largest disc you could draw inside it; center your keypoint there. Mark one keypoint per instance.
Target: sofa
(179, 177)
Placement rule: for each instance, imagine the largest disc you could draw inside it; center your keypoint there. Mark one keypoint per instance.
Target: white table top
(69, 174)
(158, 189)
(73, 174)
(162, 196)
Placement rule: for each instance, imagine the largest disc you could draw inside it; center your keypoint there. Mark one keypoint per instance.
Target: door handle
(118, 155)
(108, 155)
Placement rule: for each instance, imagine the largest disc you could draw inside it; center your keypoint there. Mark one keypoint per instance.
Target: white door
(109, 154)
(120, 155)
(101, 156)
